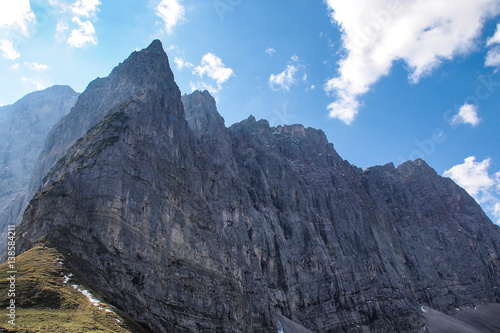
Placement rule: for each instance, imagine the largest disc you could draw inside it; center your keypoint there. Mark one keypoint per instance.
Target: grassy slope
(44, 303)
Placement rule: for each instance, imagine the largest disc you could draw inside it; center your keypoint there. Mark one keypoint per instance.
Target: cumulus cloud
(78, 19)
(8, 51)
(213, 67)
(171, 12)
(466, 115)
(17, 16)
(476, 179)
(421, 33)
(83, 35)
(16, 22)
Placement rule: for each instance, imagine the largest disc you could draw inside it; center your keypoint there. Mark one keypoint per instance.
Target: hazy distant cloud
(213, 67)
(182, 64)
(204, 86)
(467, 115)
(376, 33)
(15, 66)
(38, 85)
(270, 51)
(8, 51)
(36, 66)
(171, 12)
(78, 19)
(475, 178)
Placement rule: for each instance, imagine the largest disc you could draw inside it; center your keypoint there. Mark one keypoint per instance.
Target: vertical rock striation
(190, 226)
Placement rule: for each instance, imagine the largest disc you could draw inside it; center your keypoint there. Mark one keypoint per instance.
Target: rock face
(24, 126)
(190, 226)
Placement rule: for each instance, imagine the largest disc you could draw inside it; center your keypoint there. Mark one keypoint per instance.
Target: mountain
(190, 226)
(24, 126)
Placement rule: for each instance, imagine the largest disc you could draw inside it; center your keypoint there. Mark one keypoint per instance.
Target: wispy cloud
(36, 66)
(495, 39)
(421, 33)
(171, 12)
(270, 51)
(8, 51)
(466, 115)
(476, 179)
(285, 79)
(289, 77)
(213, 68)
(182, 64)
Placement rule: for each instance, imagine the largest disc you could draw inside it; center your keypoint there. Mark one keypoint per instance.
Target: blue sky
(386, 80)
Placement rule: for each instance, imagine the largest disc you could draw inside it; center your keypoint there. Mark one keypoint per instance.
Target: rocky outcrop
(190, 226)
(24, 126)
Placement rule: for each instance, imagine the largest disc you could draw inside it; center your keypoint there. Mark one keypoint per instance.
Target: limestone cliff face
(190, 226)
(23, 128)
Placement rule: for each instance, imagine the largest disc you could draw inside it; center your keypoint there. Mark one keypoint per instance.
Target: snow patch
(87, 294)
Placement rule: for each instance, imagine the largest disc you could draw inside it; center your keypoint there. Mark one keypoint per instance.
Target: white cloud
(421, 33)
(213, 67)
(475, 178)
(81, 14)
(85, 8)
(182, 64)
(15, 66)
(8, 51)
(467, 115)
(495, 39)
(36, 66)
(84, 35)
(289, 77)
(171, 12)
(204, 86)
(61, 29)
(17, 16)
(283, 80)
(270, 51)
(493, 57)
(34, 83)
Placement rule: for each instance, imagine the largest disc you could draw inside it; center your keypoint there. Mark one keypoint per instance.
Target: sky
(386, 80)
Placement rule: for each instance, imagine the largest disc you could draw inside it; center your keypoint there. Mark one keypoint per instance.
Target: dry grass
(44, 303)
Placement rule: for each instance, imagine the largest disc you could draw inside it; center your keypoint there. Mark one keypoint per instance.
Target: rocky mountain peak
(201, 113)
